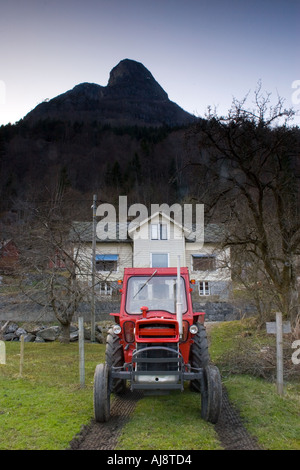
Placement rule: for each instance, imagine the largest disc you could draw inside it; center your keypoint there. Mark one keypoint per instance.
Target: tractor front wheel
(211, 394)
(102, 393)
(115, 358)
(199, 356)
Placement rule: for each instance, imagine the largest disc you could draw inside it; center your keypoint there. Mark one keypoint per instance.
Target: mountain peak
(131, 97)
(134, 78)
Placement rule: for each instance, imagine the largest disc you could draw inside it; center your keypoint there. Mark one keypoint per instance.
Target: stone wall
(223, 311)
(30, 312)
(34, 333)
(20, 309)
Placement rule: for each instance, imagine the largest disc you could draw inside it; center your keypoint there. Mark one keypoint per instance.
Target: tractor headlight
(117, 329)
(193, 329)
(129, 331)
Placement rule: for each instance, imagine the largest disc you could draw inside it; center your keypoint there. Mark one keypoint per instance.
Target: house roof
(213, 233)
(165, 216)
(83, 231)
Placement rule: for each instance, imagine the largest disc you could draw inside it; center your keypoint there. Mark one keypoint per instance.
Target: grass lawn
(46, 407)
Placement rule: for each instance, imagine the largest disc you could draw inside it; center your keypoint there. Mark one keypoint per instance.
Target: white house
(157, 242)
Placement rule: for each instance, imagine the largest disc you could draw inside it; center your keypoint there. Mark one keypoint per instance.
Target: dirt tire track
(104, 436)
(230, 428)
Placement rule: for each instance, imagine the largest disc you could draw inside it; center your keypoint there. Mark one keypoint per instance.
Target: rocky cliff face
(131, 97)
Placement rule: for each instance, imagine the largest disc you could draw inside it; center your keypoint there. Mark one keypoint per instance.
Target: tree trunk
(65, 334)
(290, 301)
(293, 303)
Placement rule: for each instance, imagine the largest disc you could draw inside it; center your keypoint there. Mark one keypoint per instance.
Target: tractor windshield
(157, 293)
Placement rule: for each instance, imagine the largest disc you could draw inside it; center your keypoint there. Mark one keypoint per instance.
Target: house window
(105, 288)
(204, 288)
(203, 263)
(159, 260)
(107, 263)
(159, 232)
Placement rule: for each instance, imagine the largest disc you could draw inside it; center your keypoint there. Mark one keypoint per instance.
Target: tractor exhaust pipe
(178, 300)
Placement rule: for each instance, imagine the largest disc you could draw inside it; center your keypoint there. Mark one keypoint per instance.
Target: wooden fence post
(81, 352)
(279, 353)
(21, 355)
(279, 327)
(2, 352)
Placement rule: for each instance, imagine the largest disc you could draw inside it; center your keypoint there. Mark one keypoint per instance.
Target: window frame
(206, 257)
(161, 231)
(115, 262)
(105, 288)
(205, 288)
(157, 253)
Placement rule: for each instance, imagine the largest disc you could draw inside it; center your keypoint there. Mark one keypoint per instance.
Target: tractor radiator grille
(154, 351)
(157, 330)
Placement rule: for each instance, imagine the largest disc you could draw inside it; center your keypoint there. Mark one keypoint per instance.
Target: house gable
(143, 229)
(157, 241)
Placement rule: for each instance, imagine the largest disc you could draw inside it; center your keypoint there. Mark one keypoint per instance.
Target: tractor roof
(149, 271)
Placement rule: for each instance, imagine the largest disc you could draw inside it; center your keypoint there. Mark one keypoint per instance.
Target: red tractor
(157, 343)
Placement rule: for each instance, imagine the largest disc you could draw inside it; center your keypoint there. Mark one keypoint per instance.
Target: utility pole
(93, 269)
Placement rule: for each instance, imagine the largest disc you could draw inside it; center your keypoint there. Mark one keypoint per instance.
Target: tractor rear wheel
(114, 356)
(199, 356)
(211, 394)
(102, 393)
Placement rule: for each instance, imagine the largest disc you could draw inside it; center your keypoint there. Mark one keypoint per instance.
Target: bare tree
(51, 260)
(56, 253)
(249, 167)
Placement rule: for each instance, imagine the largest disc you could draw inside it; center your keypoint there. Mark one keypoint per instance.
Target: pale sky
(202, 52)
